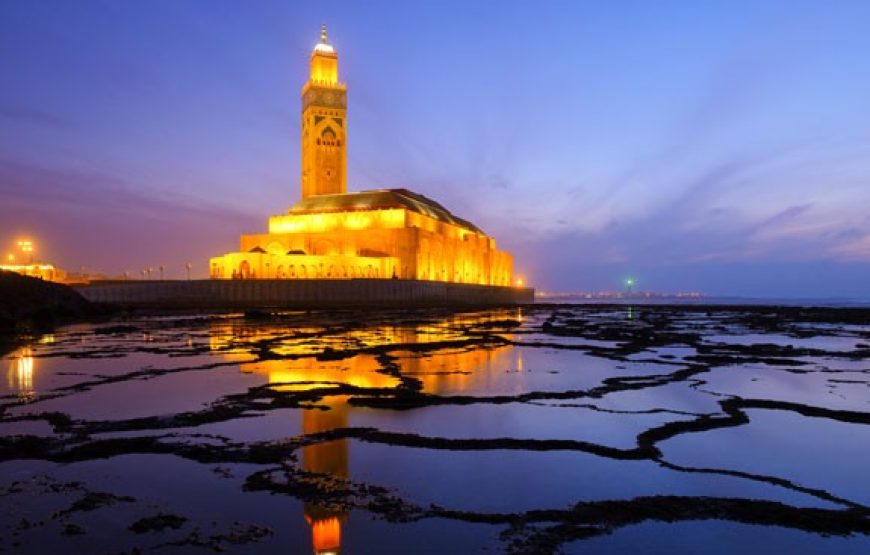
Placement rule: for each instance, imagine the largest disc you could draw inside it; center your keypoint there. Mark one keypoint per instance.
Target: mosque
(383, 233)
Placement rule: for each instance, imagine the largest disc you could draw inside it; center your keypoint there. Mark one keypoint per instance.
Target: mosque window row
(302, 271)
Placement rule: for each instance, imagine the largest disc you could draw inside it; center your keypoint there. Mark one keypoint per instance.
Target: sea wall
(222, 293)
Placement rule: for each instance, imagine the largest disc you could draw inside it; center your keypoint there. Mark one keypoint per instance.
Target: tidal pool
(543, 429)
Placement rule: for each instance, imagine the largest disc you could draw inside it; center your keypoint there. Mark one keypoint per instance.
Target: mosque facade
(382, 234)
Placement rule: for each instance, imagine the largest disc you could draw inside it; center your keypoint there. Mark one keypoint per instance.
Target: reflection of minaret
(325, 458)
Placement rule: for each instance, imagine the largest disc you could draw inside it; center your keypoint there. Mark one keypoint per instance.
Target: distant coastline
(695, 298)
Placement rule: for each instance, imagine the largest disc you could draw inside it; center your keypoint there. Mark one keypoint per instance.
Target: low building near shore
(48, 272)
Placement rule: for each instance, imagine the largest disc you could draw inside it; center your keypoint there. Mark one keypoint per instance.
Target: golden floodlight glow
(381, 234)
(520, 282)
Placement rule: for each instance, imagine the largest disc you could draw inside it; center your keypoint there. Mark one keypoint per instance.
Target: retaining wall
(221, 293)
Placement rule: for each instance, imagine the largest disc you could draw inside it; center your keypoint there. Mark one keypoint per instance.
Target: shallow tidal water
(544, 429)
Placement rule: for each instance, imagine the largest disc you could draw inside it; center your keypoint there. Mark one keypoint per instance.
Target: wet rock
(157, 523)
(71, 529)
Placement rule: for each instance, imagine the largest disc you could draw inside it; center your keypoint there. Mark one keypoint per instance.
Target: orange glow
(47, 272)
(20, 375)
(25, 245)
(326, 535)
(324, 68)
(333, 234)
(520, 282)
(442, 370)
(10, 257)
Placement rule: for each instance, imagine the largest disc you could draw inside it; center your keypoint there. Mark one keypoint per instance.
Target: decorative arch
(275, 248)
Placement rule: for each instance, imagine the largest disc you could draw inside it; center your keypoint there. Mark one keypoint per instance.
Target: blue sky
(713, 146)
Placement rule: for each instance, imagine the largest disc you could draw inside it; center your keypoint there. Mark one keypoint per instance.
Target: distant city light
(25, 245)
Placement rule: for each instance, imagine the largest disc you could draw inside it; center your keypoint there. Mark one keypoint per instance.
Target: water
(534, 430)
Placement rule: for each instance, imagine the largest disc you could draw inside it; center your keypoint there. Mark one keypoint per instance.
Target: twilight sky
(713, 146)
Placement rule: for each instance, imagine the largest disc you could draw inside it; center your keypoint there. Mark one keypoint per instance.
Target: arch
(244, 270)
(291, 271)
(303, 273)
(276, 248)
(279, 272)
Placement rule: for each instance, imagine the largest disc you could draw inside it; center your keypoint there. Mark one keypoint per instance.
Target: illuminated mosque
(383, 233)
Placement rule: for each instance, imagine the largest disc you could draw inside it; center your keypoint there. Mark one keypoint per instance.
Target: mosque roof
(380, 199)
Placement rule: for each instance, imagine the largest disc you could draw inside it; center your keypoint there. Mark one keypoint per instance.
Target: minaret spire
(323, 34)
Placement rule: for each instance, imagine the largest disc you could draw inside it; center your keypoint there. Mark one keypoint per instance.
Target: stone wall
(222, 293)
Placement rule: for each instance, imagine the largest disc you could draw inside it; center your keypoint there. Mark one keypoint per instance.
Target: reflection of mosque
(332, 458)
(325, 458)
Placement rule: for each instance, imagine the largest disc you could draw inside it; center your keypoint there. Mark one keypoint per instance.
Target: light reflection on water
(457, 371)
(20, 374)
(185, 368)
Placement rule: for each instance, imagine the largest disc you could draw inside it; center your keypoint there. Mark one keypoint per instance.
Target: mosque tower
(372, 234)
(324, 111)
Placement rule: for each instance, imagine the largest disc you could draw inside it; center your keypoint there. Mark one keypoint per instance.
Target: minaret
(324, 107)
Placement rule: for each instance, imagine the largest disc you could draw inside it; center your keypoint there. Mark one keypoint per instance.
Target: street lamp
(161, 271)
(27, 247)
(629, 284)
(188, 266)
